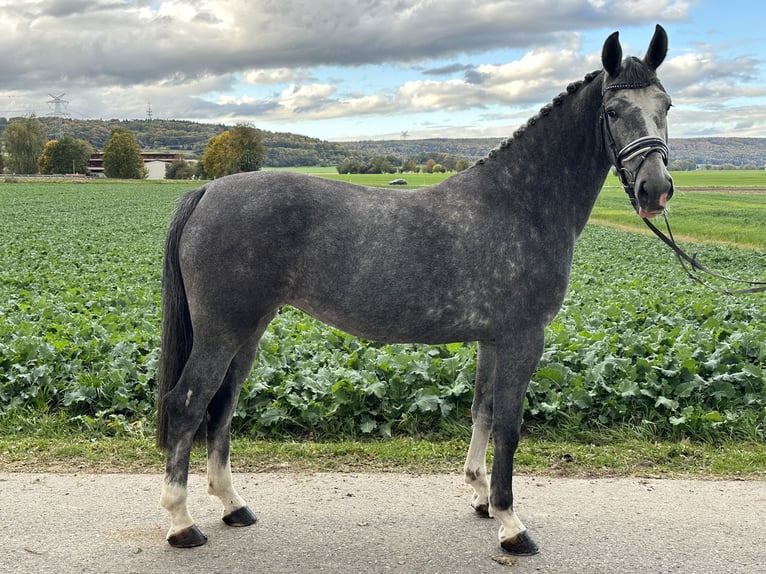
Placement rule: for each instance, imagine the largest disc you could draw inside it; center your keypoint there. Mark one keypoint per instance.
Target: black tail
(177, 335)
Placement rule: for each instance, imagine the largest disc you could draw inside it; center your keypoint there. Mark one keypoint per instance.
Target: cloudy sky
(370, 69)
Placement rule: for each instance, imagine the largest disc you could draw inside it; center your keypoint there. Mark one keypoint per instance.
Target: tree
(24, 141)
(247, 144)
(217, 159)
(231, 151)
(179, 168)
(122, 156)
(65, 155)
(682, 165)
(409, 166)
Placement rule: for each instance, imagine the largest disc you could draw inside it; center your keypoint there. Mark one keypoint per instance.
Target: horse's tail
(177, 335)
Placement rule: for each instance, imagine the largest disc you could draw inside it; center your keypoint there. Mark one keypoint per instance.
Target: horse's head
(634, 122)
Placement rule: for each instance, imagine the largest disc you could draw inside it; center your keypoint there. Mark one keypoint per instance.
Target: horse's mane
(543, 113)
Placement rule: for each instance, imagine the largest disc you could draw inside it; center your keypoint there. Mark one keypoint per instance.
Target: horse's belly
(397, 322)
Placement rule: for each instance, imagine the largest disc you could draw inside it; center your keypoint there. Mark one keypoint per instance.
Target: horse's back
(374, 262)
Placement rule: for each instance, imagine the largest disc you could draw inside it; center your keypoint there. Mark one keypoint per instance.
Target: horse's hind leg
(220, 412)
(475, 468)
(186, 406)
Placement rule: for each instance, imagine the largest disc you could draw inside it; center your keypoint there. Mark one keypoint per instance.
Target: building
(154, 162)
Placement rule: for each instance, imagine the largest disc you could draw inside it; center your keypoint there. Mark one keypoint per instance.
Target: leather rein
(641, 148)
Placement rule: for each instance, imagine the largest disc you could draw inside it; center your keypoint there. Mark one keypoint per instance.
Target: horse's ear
(611, 55)
(658, 48)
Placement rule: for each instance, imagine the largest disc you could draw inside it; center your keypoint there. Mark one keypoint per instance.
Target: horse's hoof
(520, 545)
(187, 538)
(482, 510)
(241, 517)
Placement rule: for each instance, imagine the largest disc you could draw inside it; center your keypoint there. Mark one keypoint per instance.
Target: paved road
(370, 523)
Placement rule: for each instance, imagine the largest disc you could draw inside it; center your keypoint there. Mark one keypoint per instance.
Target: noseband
(638, 148)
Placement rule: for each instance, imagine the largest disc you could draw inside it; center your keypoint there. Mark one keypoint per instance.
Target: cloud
(449, 69)
(126, 43)
(268, 60)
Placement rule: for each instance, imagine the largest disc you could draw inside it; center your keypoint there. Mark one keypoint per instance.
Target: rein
(642, 147)
(693, 264)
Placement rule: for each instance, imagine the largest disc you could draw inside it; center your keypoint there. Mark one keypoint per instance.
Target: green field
(636, 345)
(720, 178)
(381, 179)
(725, 218)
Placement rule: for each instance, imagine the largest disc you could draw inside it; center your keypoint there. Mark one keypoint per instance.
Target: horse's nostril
(642, 194)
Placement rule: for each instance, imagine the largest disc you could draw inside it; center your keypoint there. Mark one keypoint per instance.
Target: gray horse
(483, 256)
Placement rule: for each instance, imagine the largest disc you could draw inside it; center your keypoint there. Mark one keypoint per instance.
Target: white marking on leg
(189, 396)
(510, 525)
(173, 499)
(475, 469)
(219, 484)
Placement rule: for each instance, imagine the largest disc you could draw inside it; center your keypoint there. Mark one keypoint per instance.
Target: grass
(381, 179)
(733, 219)
(608, 454)
(721, 179)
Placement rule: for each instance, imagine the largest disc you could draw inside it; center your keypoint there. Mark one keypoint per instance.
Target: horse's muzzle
(653, 189)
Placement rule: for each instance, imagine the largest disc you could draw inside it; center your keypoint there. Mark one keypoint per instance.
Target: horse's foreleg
(516, 362)
(186, 406)
(475, 469)
(220, 412)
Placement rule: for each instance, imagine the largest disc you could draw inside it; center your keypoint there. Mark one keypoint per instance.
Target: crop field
(636, 344)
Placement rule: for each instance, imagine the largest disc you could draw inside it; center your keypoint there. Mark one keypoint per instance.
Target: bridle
(641, 148)
(638, 148)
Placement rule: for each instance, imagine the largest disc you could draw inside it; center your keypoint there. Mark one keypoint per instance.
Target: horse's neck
(561, 155)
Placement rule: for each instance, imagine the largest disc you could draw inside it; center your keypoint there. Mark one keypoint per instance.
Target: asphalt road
(369, 523)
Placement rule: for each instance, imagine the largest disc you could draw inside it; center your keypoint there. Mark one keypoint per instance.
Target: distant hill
(292, 150)
(190, 138)
(714, 150)
(717, 151)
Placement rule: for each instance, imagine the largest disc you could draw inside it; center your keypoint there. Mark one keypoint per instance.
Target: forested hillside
(714, 151)
(292, 150)
(190, 138)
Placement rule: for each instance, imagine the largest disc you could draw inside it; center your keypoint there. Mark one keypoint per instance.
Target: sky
(371, 69)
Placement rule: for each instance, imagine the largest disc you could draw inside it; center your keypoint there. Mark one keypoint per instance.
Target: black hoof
(520, 545)
(187, 538)
(482, 510)
(241, 517)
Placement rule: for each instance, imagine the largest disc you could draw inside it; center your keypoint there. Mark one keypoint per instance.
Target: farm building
(154, 162)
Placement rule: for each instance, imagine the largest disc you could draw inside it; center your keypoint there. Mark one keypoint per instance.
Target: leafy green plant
(636, 344)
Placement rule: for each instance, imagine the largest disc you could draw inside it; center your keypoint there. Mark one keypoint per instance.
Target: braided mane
(544, 112)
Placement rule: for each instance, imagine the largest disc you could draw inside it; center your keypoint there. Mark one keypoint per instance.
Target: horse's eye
(611, 113)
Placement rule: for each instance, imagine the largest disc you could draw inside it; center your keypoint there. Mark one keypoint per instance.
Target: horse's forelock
(634, 73)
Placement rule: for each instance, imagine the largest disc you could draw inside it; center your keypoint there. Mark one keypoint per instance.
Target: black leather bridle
(638, 148)
(641, 148)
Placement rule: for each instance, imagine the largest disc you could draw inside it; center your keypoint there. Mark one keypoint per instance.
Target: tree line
(26, 150)
(428, 162)
(189, 139)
